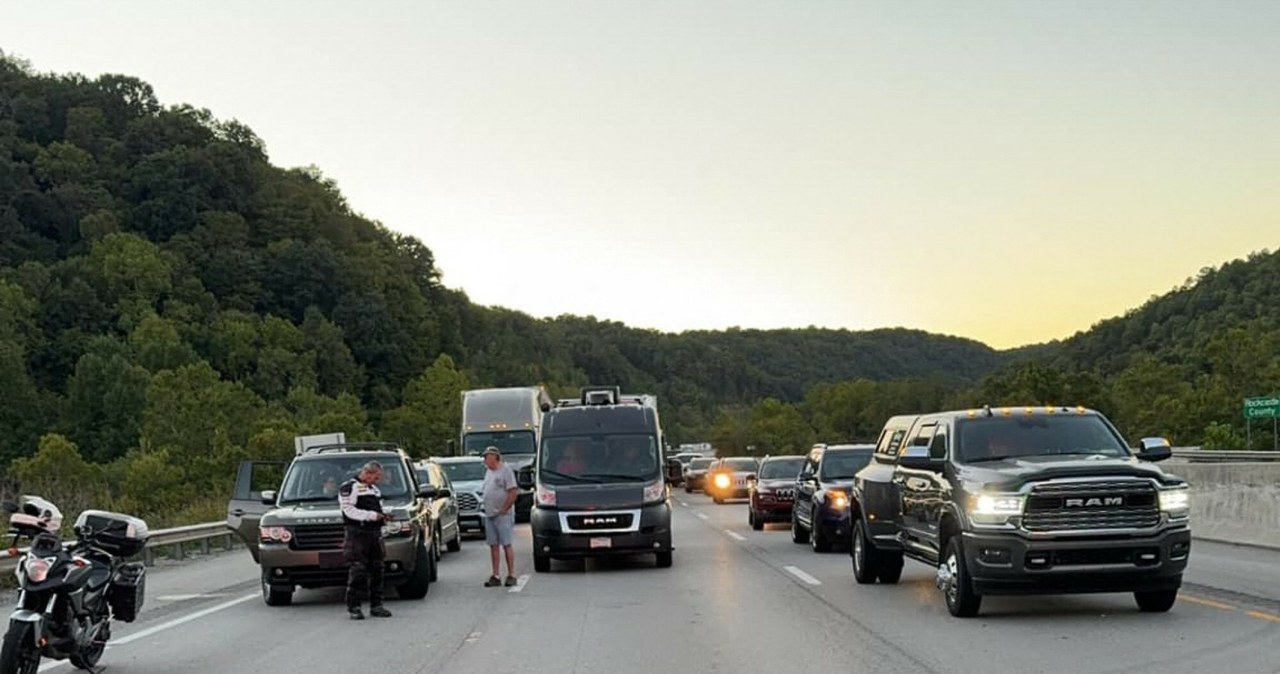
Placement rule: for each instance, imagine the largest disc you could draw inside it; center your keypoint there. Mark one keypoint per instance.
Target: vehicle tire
(435, 546)
(455, 544)
(863, 554)
(756, 523)
(88, 660)
(274, 595)
(890, 566)
(19, 655)
(798, 535)
(541, 563)
(435, 557)
(957, 588)
(419, 584)
(818, 539)
(662, 560)
(1156, 601)
(688, 489)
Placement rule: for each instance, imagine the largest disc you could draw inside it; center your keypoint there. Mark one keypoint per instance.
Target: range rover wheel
(798, 535)
(275, 595)
(865, 559)
(663, 559)
(541, 563)
(953, 579)
(419, 584)
(1157, 601)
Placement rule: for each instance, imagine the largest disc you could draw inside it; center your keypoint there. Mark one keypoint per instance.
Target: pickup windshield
(317, 480)
(996, 438)
(599, 458)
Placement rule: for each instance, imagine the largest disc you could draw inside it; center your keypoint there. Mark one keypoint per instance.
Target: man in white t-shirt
(499, 494)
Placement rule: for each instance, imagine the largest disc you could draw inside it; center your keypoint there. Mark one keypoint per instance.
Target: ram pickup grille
(468, 502)
(1071, 506)
(321, 537)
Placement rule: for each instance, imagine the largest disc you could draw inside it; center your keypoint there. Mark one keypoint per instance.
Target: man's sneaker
(379, 612)
(492, 582)
(511, 581)
(355, 613)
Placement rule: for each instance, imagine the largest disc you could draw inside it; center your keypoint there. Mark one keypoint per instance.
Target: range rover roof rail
(340, 447)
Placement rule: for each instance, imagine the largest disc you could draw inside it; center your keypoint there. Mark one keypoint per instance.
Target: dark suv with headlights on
(774, 490)
(1022, 500)
(820, 515)
(730, 478)
(296, 533)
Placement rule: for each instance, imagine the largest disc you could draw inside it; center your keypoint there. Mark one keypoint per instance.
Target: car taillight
(37, 569)
(545, 496)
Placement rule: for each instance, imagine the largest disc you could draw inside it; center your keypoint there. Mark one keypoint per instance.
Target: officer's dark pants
(364, 551)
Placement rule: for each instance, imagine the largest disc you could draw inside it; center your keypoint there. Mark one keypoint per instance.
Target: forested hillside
(171, 303)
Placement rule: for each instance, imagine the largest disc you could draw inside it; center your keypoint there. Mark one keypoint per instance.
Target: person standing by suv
(499, 493)
(362, 545)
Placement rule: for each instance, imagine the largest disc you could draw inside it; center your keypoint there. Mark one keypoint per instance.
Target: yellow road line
(1264, 616)
(1208, 602)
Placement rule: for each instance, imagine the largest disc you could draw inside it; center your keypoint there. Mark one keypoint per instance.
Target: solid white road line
(795, 571)
(735, 535)
(520, 583)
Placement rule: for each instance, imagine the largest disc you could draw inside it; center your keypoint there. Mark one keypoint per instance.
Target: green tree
(106, 398)
(432, 411)
(60, 474)
(158, 346)
(778, 428)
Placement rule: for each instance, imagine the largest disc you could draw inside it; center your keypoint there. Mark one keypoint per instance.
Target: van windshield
(587, 459)
(513, 442)
(315, 480)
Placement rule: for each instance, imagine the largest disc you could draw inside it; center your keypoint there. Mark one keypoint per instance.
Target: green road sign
(1262, 408)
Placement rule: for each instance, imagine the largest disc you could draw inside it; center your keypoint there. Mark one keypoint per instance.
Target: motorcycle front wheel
(19, 655)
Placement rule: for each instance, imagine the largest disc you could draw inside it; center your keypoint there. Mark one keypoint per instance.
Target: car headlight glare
(1175, 501)
(838, 500)
(722, 481)
(998, 504)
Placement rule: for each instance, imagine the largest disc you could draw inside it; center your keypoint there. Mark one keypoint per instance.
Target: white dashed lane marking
(795, 571)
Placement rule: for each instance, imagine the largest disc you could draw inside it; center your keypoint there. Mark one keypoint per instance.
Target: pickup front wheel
(953, 579)
(1158, 601)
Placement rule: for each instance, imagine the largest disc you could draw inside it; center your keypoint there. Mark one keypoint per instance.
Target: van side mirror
(269, 497)
(524, 478)
(918, 458)
(1154, 449)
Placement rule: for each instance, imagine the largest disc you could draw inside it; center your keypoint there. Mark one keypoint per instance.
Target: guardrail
(173, 539)
(1197, 455)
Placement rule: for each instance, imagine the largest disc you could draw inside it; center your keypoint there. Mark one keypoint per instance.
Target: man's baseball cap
(491, 450)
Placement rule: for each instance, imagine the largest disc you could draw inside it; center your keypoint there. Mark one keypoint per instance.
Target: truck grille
(318, 537)
(468, 502)
(1114, 504)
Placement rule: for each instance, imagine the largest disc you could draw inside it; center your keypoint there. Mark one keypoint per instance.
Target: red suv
(774, 491)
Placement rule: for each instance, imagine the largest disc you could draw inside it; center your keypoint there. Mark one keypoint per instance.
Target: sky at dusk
(1011, 172)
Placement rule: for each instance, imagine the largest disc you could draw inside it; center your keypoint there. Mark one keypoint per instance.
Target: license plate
(602, 542)
(332, 560)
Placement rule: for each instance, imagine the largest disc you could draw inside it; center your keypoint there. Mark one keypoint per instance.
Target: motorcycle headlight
(37, 569)
(996, 508)
(1176, 501)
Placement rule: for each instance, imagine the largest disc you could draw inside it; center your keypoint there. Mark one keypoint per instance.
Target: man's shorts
(500, 530)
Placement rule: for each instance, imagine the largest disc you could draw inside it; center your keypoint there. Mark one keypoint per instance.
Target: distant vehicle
(302, 443)
(820, 515)
(600, 481)
(293, 528)
(773, 492)
(466, 474)
(509, 419)
(694, 473)
(444, 507)
(730, 478)
(1022, 500)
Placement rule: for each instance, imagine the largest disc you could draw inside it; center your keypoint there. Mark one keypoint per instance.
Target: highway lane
(736, 600)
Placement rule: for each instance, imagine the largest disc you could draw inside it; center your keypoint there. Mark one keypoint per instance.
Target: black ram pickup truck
(1021, 500)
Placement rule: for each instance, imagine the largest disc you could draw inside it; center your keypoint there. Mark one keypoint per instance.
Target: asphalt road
(735, 601)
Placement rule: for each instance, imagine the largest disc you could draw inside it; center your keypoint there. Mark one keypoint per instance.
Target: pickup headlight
(995, 508)
(1176, 501)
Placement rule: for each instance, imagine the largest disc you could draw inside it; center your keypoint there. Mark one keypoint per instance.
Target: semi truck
(509, 419)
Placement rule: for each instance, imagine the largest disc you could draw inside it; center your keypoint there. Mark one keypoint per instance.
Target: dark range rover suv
(1021, 500)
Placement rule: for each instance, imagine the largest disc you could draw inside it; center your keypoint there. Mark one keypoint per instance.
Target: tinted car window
(777, 469)
(839, 465)
(740, 465)
(464, 471)
(700, 464)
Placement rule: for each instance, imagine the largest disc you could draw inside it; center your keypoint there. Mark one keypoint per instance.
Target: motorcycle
(70, 593)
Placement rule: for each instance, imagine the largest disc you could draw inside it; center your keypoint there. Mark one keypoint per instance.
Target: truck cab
(1021, 500)
(600, 482)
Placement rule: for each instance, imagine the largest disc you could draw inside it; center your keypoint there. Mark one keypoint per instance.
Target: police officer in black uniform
(362, 544)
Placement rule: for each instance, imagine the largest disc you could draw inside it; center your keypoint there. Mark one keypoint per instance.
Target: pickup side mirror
(675, 471)
(524, 478)
(444, 492)
(269, 497)
(428, 491)
(917, 458)
(1154, 449)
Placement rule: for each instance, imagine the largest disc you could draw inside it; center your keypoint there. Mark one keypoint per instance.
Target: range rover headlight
(996, 508)
(401, 528)
(1176, 501)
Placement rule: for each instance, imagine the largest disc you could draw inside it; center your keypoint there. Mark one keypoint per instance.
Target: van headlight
(655, 492)
(1176, 502)
(996, 508)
